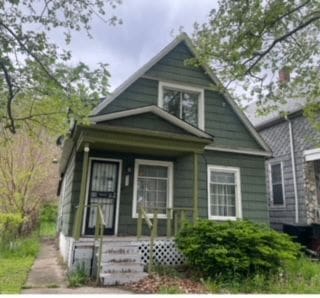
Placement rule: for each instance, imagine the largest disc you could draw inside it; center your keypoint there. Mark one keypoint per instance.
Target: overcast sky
(147, 28)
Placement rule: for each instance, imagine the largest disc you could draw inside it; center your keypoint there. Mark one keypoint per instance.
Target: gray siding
(277, 137)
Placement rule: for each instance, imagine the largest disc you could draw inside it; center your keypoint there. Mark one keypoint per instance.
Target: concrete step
(120, 258)
(120, 250)
(127, 267)
(109, 279)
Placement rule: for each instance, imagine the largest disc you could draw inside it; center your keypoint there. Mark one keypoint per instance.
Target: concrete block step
(112, 279)
(127, 267)
(120, 250)
(119, 243)
(120, 258)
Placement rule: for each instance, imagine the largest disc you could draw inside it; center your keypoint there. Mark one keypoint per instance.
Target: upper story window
(276, 183)
(186, 103)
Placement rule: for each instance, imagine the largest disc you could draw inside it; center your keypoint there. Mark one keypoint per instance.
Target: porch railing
(176, 217)
(153, 227)
(100, 225)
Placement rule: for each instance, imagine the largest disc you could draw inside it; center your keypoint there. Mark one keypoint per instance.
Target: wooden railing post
(82, 196)
(175, 222)
(100, 229)
(153, 236)
(195, 186)
(169, 222)
(139, 223)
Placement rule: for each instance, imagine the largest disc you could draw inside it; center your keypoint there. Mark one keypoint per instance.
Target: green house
(165, 146)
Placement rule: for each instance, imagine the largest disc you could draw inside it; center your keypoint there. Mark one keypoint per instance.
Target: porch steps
(121, 263)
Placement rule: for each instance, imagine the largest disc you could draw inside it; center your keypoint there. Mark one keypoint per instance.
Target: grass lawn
(16, 262)
(13, 273)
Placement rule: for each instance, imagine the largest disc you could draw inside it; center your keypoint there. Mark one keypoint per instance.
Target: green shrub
(10, 223)
(49, 213)
(238, 248)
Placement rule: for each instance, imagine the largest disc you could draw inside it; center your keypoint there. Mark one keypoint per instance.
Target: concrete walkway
(47, 276)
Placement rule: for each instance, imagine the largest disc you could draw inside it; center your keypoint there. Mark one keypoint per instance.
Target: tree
(28, 178)
(250, 42)
(37, 85)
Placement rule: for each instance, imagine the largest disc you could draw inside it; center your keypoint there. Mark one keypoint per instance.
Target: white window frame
(149, 162)
(180, 87)
(271, 185)
(238, 204)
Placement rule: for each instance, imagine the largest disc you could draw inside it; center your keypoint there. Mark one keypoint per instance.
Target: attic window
(183, 102)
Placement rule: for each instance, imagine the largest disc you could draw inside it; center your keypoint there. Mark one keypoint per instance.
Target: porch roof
(132, 140)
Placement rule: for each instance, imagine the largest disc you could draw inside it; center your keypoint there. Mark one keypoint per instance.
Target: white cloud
(146, 29)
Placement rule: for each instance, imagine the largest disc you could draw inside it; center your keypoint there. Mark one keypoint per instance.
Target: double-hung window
(153, 186)
(183, 102)
(276, 183)
(224, 194)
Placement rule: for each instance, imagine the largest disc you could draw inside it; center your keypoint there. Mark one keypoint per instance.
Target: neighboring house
(165, 140)
(293, 173)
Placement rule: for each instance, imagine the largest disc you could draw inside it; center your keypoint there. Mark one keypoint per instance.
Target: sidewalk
(47, 276)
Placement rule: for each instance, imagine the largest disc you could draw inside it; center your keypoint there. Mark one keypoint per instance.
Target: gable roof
(157, 111)
(182, 38)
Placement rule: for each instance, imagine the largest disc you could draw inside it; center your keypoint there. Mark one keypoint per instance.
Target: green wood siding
(220, 119)
(142, 92)
(147, 121)
(172, 67)
(66, 202)
(253, 187)
(224, 124)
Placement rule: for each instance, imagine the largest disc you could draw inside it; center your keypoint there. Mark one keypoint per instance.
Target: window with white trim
(183, 102)
(277, 187)
(224, 193)
(153, 186)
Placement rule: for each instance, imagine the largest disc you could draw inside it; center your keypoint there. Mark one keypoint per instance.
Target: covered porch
(123, 202)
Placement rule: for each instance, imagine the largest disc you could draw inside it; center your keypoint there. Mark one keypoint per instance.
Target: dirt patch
(155, 284)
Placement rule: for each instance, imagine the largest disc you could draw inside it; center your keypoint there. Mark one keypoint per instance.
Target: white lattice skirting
(165, 252)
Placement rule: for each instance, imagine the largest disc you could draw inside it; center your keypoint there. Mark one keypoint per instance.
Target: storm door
(103, 190)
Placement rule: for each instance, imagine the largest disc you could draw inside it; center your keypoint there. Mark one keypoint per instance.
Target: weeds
(78, 277)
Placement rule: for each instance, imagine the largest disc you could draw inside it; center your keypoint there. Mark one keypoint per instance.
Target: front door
(103, 190)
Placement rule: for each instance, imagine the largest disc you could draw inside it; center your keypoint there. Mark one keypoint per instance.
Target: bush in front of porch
(235, 249)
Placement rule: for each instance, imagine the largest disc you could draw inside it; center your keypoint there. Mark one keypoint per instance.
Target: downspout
(293, 164)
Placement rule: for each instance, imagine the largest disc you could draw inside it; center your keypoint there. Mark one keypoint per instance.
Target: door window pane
(171, 101)
(190, 108)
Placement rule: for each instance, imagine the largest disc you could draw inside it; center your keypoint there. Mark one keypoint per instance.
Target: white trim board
(182, 87)
(238, 198)
(116, 221)
(157, 111)
(311, 154)
(167, 164)
(238, 151)
(139, 73)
